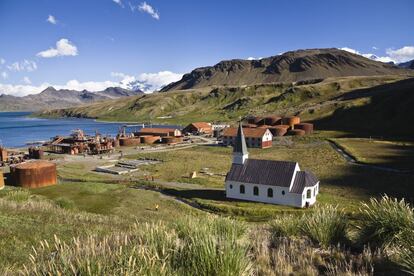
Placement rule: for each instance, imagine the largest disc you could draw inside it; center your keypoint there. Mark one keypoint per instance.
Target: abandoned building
(268, 181)
(255, 137)
(198, 128)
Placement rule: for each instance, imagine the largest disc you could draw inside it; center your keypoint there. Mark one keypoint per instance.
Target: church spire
(240, 153)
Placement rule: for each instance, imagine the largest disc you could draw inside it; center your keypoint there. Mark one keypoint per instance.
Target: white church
(268, 181)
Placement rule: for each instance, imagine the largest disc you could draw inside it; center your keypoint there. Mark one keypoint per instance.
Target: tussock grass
(185, 248)
(18, 195)
(325, 226)
(384, 220)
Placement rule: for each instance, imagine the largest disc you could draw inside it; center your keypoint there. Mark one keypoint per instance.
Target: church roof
(265, 172)
(303, 179)
(240, 142)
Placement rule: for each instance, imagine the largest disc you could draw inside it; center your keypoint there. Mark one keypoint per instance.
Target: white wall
(289, 199)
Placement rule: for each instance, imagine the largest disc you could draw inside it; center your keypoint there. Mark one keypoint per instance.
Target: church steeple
(240, 153)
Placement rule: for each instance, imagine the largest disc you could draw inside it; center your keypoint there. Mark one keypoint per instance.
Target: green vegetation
(208, 245)
(392, 154)
(325, 102)
(384, 221)
(325, 226)
(211, 246)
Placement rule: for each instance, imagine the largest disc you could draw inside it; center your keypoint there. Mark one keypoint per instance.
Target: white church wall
(286, 198)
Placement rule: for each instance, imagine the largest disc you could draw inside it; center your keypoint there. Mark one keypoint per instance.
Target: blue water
(16, 129)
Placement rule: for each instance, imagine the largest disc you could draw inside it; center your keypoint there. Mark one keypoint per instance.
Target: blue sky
(103, 42)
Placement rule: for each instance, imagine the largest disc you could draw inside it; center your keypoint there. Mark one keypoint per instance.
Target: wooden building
(255, 137)
(198, 128)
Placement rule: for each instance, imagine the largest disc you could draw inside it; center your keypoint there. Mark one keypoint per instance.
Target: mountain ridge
(291, 66)
(51, 98)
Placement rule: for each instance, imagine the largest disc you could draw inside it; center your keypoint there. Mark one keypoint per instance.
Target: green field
(392, 154)
(86, 203)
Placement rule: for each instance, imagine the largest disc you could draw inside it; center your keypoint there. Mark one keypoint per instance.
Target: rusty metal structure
(35, 153)
(78, 142)
(171, 140)
(279, 130)
(291, 120)
(33, 174)
(1, 180)
(307, 127)
(8, 157)
(129, 141)
(150, 139)
(296, 132)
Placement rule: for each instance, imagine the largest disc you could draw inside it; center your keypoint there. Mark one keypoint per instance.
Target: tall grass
(405, 255)
(325, 226)
(185, 248)
(382, 221)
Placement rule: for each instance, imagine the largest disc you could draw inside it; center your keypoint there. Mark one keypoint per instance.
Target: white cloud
(25, 65)
(403, 54)
(144, 7)
(147, 82)
(2, 61)
(4, 75)
(63, 48)
(374, 48)
(51, 19)
(119, 2)
(26, 80)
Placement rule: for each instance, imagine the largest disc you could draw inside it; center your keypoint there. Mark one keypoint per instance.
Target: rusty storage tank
(4, 156)
(254, 119)
(149, 139)
(307, 127)
(129, 142)
(249, 125)
(1, 180)
(171, 140)
(296, 132)
(272, 120)
(291, 120)
(279, 130)
(34, 174)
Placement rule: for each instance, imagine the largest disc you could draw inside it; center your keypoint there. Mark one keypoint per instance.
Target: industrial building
(78, 142)
(198, 128)
(255, 137)
(268, 181)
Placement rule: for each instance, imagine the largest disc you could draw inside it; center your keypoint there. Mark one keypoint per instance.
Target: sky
(94, 44)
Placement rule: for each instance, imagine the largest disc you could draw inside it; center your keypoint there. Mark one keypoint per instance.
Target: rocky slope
(289, 67)
(50, 98)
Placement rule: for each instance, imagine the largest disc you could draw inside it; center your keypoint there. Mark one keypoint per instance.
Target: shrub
(285, 226)
(19, 195)
(382, 221)
(405, 255)
(325, 226)
(64, 203)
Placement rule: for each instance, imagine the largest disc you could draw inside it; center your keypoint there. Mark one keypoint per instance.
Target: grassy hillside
(318, 100)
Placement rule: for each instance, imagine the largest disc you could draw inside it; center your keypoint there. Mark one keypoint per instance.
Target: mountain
(50, 98)
(289, 67)
(326, 102)
(407, 65)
